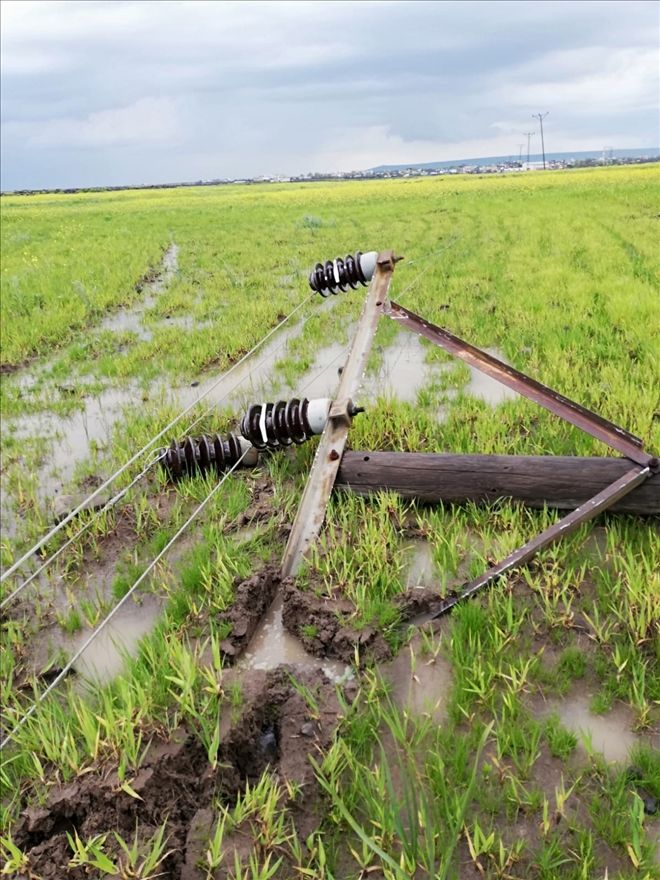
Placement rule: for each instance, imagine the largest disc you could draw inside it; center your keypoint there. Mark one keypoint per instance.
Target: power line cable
(146, 447)
(70, 663)
(107, 506)
(151, 464)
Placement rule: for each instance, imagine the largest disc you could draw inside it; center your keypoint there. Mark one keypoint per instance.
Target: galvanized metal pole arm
(311, 511)
(565, 526)
(600, 428)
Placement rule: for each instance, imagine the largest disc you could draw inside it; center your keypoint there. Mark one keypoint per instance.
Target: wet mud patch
(252, 599)
(176, 784)
(318, 623)
(420, 683)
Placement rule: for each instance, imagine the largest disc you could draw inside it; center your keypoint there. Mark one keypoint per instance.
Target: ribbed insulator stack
(273, 425)
(196, 455)
(335, 275)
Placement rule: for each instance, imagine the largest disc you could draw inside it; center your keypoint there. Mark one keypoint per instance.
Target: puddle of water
(485, 388)
(420, 571)
(403, 370)
(272, 646)
(106, 655)
(322, 378)
(419, 683)
(609, 734)
(73, 434)
(250, 382)
(131, 319)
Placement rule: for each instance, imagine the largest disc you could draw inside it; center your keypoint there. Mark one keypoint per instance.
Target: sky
(129, 92)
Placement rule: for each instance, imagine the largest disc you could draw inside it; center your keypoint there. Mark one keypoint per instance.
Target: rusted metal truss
(615, 437)
(311, 512)
(602, 429)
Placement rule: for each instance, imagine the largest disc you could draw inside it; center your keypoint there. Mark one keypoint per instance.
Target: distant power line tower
(528, 135)
(541, 117)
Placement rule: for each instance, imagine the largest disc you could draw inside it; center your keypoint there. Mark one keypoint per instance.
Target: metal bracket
(341, 411)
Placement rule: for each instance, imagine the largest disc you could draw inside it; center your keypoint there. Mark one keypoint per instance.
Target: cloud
(95, 91)
(149, 121)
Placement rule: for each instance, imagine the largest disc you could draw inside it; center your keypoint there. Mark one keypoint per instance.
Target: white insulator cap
(368, 264)
(251, 454)
(317, 414)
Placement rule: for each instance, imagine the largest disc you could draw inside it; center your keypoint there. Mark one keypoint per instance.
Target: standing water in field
(610, 734)
(131, 319)
(487, 389)
(272, 646)
(106, 656)
(420, 571)
(420, 682)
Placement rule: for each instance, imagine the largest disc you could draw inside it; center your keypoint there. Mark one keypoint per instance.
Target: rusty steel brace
(591, 423)
(311, 511)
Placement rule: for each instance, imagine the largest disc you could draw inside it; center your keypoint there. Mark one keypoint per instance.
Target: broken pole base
(560, 482)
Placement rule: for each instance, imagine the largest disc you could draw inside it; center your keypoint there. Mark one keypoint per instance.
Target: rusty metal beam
(591, 423)
(565, 526)
(311, 511)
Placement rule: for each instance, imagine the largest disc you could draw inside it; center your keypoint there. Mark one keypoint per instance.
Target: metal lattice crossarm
(337, 275)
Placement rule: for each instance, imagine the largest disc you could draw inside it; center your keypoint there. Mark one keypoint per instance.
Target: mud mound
(419, 602)
(251, 600)
(304, 612)
(177, 785)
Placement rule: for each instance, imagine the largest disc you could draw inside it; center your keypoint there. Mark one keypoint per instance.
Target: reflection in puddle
(272, 646)
(609, 734)
(105, 657)
(403, 371)
(487, 389)
(420, 571)
(420, 683)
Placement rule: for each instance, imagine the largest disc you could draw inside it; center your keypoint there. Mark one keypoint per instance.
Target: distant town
(484, 165)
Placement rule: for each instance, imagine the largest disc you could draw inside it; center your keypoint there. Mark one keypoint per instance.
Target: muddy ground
(273, 727)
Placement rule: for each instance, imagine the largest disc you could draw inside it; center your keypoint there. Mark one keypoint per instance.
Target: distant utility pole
(528, 135)
(541, 117)
(520, 149)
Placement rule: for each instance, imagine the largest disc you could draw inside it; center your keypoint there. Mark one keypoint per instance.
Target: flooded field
(610, 734)
(328, 725)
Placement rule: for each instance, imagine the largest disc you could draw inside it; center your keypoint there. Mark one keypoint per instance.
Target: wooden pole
(561, 482)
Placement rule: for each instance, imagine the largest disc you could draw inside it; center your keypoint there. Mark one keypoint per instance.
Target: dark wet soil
(251, 601)
(304, 612)
(177, 784)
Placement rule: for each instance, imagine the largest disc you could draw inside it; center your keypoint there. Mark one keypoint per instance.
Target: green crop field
(515, 738)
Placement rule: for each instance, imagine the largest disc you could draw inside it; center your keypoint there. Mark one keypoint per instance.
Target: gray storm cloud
(144, 92)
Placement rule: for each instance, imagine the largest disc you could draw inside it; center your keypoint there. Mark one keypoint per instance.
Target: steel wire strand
(147, 446)
(151, 464)
(107, 506)
(70, 663)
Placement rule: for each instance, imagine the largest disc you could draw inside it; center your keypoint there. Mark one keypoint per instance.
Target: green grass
(560, 272)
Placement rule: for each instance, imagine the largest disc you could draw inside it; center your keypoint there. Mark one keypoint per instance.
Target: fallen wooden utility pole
(560, 482)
